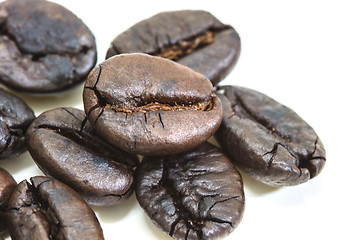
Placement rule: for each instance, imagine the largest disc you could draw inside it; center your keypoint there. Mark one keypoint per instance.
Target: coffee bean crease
(190, 193)
(64, 146)
(195, 39)
(185, 47)
(48, 209)
(44, 47)
(267, 139)
(135, 101)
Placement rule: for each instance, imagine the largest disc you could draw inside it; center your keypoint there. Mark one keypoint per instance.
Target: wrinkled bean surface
(15, 117)
(44, 48)
(268, 140)
(63, 144)
(150, 105)
(48, 209)
(195, 39)
(193, 195)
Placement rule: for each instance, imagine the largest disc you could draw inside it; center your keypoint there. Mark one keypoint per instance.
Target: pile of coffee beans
(149, 110)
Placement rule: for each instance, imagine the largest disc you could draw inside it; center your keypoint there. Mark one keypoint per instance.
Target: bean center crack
(185, 47)
(156, 106)
(37, 57)
(92, 144)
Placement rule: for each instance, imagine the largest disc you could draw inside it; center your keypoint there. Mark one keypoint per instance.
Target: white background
(306, 55)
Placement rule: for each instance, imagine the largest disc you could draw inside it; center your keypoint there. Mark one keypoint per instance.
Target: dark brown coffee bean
(15, 117)
(48, 209)
(7, 186)
(64, 146)
(44, 48)
(193, 195)
(195, 39)
(150, 105)
(268, 140)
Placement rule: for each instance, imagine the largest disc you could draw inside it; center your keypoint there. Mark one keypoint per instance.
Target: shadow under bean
(256, 187)
(115, 213)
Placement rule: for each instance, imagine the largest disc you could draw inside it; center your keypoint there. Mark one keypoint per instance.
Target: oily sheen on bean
(194, 195)
(44, 48)
(192, 38)
(48, 209)
(267, 139)
(64, 146)
(150, 105)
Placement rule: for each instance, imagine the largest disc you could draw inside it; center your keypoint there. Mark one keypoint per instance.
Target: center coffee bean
(195, 39)
(63, 144)
(150, 105)
(48, 209)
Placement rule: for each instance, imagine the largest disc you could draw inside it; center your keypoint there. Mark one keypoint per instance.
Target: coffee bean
(193, 195)
(150, 105)
(7, 186)
(195, 39)
(64, 146)
(48, 209)
(15, 117)
(268, 140)
(44, 48)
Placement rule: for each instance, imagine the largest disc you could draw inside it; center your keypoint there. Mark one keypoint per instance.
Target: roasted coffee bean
(150, 105)
(195, 39)
(193, 195)
(44, 48)
(48, 209)
(64, 146)
(268, 140)
(7, 186)
(15, 117)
